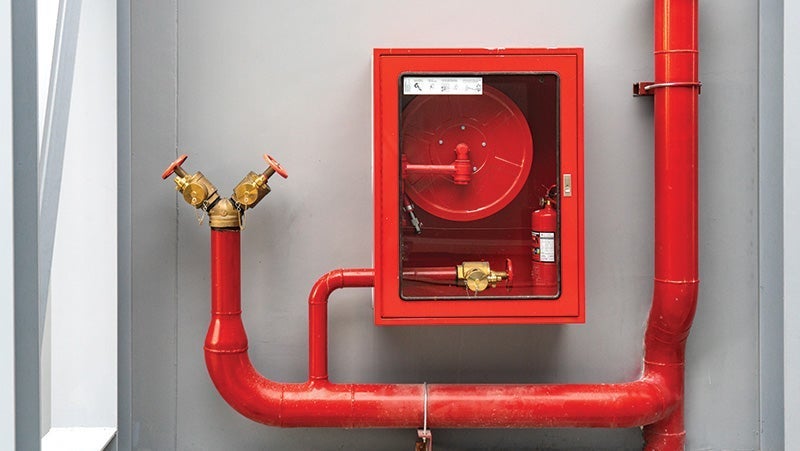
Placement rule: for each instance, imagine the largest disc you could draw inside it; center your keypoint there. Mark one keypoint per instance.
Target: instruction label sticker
(547, 246)
(432, 86)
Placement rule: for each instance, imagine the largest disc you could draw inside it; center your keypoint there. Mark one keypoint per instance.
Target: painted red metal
(544, 233)
(493, 211)
(320, 403)
(676, 263)
(275, 166)
(173, 166)
(494, 131)
(460, 170)
(655, 400)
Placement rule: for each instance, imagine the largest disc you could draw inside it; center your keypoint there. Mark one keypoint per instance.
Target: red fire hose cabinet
(478, 159)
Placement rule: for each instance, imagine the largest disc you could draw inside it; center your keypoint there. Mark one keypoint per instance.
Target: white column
(84, 275)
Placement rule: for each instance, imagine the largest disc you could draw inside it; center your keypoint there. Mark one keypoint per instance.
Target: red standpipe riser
(655, 400)
(676, 249)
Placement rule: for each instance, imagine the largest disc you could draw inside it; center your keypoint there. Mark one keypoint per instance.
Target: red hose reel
(500, 147)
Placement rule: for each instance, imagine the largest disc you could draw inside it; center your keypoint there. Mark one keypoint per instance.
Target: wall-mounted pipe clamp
(223, 213)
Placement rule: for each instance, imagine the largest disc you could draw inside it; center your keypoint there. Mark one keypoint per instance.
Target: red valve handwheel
(510, 272)
(275, 166)
(174, 165)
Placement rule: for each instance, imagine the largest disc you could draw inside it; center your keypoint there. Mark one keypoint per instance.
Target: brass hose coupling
(223, 213)
(478, 276)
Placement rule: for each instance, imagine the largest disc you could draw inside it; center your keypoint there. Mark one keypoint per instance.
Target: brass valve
(478, 276)
(196, 189)
(249, 192)
(223, 213)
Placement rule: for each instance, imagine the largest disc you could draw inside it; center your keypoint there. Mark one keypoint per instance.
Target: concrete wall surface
(228, 81)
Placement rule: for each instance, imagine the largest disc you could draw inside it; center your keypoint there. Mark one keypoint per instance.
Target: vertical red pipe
(676, 209)
(226, 330)
(318, 315)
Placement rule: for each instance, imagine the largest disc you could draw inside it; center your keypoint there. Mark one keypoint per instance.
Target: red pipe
(655, 400)
(321, 403)
(318, 315)
(676, 264)
(430, 169)
(460, 169)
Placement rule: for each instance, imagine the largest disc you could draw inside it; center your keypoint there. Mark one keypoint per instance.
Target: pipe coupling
(225, 215)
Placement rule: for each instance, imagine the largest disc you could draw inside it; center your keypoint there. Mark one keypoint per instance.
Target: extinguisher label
(547, 246)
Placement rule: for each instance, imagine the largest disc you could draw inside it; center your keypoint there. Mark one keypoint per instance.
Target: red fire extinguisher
(544, 272)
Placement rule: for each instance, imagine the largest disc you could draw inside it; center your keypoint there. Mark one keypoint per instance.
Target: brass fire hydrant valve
(197, 190)
(200, 193)
(478, 276)
(249, 192)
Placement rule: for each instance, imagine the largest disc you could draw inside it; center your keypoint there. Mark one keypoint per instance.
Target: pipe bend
(670, 321)
(673, 309)
(244, 389)
(339, 278)
(312, 403)
(324, 286)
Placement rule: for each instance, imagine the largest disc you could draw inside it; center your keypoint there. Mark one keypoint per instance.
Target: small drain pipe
(654, 401)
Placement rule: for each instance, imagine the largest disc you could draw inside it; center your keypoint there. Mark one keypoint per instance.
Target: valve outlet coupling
(478, 276)
(251, 190)
(196, 189)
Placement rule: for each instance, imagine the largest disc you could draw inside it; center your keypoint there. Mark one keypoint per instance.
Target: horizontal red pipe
(321, 403)
(460, 169)
(430, 169)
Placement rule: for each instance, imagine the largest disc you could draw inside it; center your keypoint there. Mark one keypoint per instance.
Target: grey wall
(791, 220)
(770, 227)
(7, 361)
(225, 82)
